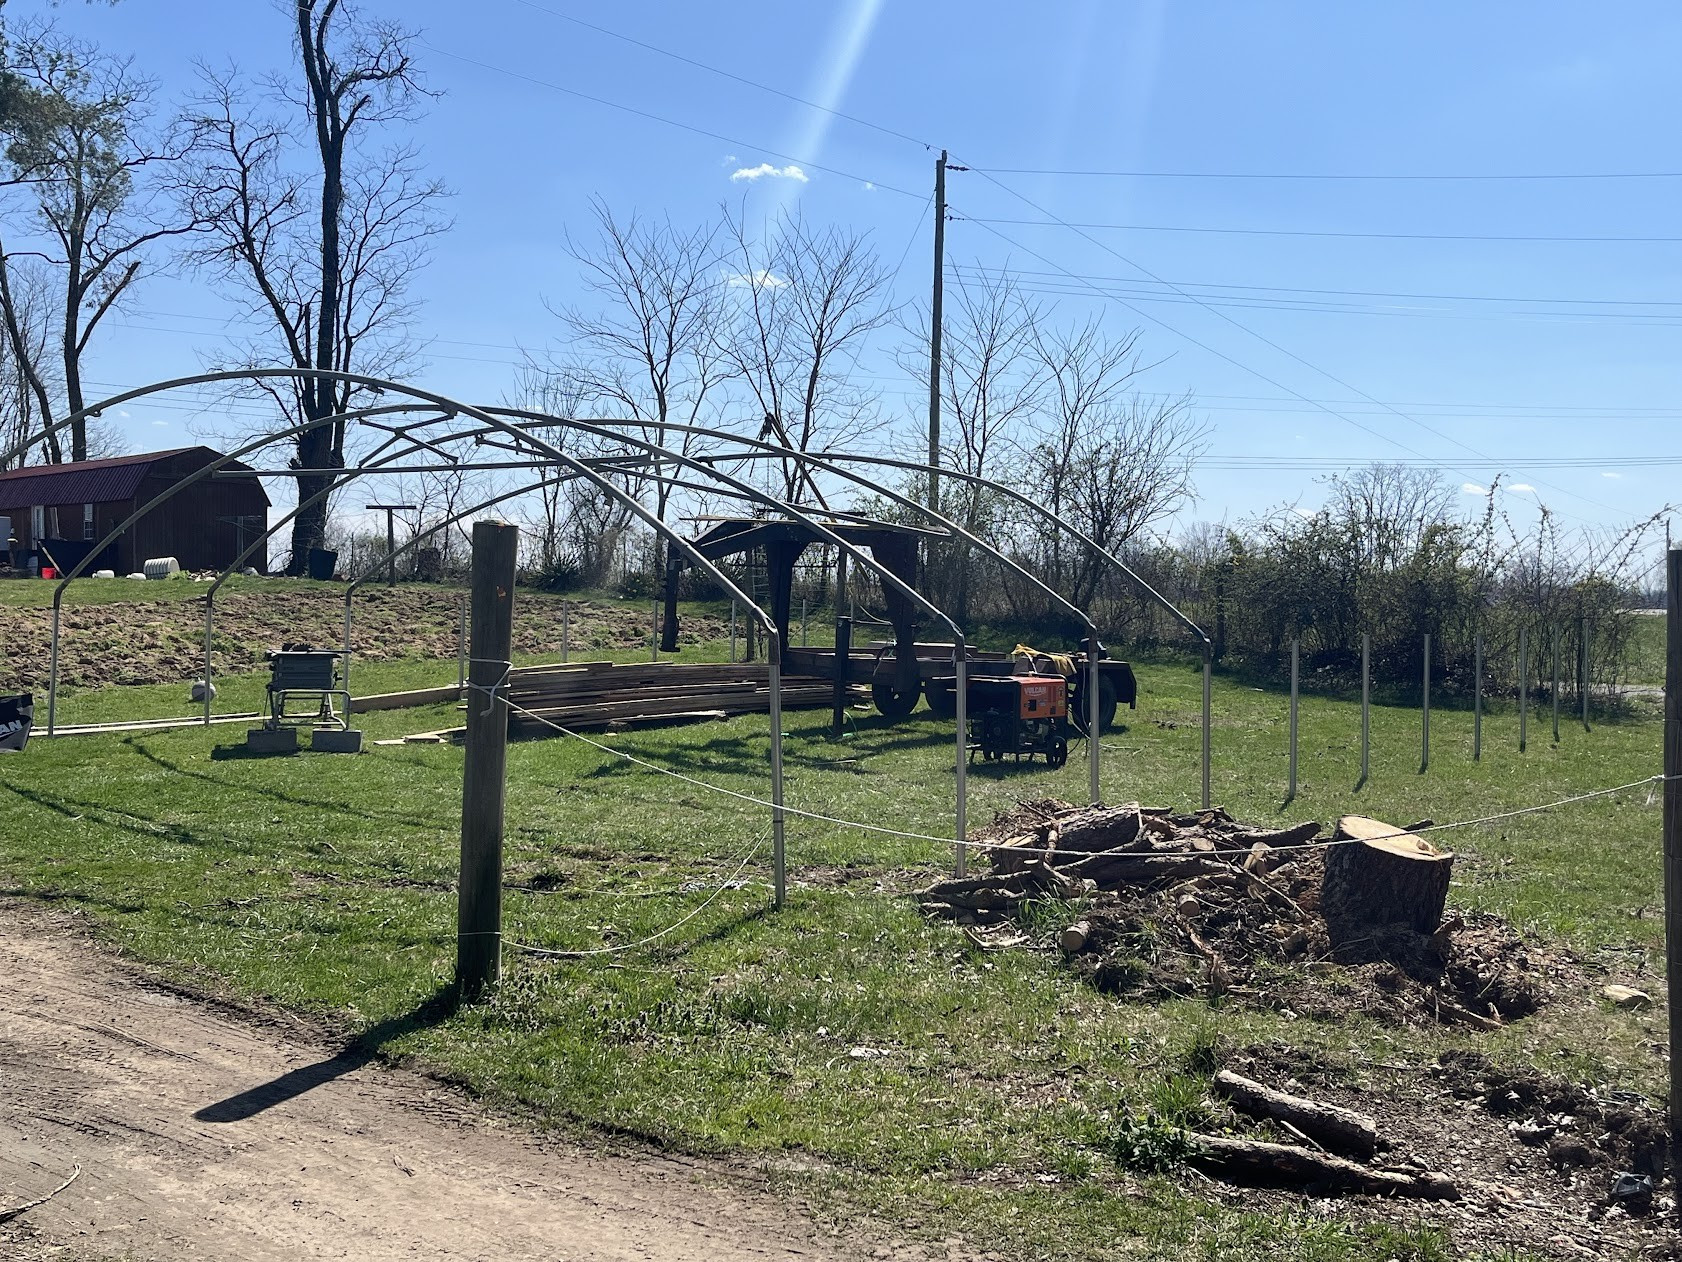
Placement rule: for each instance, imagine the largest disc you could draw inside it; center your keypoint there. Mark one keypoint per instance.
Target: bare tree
(1112, 461)
(805, 298)
(26, 304)
(323, 248)
(90, 164)
(653, 351)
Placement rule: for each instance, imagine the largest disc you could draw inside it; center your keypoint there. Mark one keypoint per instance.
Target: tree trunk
(1379, 875)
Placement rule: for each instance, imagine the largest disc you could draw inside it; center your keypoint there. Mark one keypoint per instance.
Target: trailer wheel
(942, 696)
(891, 702)
(1106, 706)
(1058, 754)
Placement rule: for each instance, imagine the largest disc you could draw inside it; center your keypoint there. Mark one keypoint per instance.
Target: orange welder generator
(1018, 716)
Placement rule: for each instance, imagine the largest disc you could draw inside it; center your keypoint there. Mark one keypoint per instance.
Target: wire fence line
(989, 846)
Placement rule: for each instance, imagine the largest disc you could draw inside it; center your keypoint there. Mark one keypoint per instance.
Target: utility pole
(934, 328)
(390, 511)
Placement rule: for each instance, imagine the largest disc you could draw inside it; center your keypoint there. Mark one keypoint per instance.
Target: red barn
(58, 512)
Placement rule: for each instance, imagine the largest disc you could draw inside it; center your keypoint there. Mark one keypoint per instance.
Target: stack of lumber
(596, 694)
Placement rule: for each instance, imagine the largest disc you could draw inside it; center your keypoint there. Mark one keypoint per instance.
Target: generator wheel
(1058, 754)
(942, 696)
(1106, 705)
(891, 702)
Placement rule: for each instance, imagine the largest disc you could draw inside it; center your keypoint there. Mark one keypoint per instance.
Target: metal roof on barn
(113, 480)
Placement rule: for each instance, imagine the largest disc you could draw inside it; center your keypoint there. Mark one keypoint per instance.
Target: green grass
(987, 1090)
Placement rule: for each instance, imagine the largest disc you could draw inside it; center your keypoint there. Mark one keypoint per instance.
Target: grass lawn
(877, 1061)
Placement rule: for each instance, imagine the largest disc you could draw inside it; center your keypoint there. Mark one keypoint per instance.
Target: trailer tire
(891, 702)
(942, 696)
(1107, 704)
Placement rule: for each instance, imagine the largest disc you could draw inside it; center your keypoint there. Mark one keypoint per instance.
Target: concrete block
(333, 740)
(279, 740)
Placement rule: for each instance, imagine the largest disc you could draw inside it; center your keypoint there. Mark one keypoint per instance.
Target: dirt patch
(162, 641)
(206, 1131)
(1476, 1122)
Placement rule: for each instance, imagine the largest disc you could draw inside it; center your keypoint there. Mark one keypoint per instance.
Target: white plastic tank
(161, 567)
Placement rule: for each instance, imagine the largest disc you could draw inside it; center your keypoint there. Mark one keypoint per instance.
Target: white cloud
(123, 412)
(869, 187)
(1304, 513)
(761, 279)
(1611, 475)
(790, 172)
(1521, 486)
(1472, 488)
(161, 424)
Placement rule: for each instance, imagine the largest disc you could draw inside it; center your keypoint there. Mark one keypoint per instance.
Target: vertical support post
(391, 547)
(779, 872)
(209, 628)
(1208, 675)
(461, 641)
(935, 320)
(654, 630)
(843, 671)
(1425, 713)
(1477, 698)
(349, 597)
(732, 632)
(960, 668)
(1556, 683)
(1523, 686)
(1366, 704)
(1296, 646)
(566, 630)
(1583, 668)
(1673, 834)
(1092, 718)
(52, 673)
(484, 775)
(805, 613)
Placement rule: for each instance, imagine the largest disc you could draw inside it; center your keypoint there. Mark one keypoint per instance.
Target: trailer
(899, 671)
(895, 692)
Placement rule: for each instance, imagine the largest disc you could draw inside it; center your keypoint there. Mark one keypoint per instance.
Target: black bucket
(17, 716)
(321, 563)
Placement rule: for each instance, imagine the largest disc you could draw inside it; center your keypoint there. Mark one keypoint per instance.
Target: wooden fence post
(484, 774)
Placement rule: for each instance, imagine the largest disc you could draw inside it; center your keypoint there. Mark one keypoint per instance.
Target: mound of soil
(1204, 903)
(162, 641)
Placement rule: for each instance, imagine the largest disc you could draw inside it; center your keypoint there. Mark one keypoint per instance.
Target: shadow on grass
(247, 1104)
(278, 795)
(80, 809)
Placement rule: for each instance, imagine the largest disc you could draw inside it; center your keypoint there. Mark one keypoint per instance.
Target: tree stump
(1377, 874)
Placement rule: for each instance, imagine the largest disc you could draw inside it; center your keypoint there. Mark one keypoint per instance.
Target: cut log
(1073, 940)
(1342, 1130)
(1250, 1161)
(1294, 836)
(1084, 832)
(1379, 875)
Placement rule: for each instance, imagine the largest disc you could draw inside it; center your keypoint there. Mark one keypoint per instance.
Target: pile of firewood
(1161, 902)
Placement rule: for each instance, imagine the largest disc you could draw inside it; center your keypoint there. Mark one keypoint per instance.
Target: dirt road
(208, 1133)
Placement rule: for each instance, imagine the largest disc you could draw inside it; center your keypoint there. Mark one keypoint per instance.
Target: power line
(1348, 293)
(1258, 373)
(670, 122)
(1301, 232)
(1297, 175)
(724, 74)
(1267, 341)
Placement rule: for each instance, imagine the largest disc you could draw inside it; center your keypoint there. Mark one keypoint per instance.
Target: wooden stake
(484, 774)
(1673, 837)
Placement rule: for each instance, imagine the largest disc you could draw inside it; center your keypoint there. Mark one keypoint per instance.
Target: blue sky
(1445, 334)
